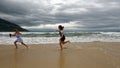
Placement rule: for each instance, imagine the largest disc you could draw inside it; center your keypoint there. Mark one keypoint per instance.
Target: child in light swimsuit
(19, 39)
(62, 36)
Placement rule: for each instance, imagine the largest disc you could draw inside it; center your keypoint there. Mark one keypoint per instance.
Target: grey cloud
(12, 8)
(26, 13)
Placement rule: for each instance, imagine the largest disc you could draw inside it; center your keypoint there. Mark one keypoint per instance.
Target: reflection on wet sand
(15, 58)
(20, 58)
(61, 59)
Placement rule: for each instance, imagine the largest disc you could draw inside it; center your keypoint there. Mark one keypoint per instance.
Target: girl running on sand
(62, 36)
(19, 39)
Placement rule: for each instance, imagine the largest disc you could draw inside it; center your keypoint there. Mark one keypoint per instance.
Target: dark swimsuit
(63, 37)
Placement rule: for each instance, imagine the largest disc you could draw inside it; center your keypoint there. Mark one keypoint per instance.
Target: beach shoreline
(74, 55)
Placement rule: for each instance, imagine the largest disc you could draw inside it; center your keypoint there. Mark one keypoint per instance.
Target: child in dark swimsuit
(62, 36)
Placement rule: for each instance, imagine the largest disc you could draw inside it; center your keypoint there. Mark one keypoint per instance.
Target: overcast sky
(83, 15)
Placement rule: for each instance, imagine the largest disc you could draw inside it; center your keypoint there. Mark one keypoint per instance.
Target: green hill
(6, 26)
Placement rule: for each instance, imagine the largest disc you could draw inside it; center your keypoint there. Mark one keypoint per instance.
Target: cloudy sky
(75, 15)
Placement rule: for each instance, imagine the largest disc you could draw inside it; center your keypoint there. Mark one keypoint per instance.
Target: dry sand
(74, 55)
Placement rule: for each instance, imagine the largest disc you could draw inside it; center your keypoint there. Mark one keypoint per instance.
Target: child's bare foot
(64, 47)
(68, 41)
(26, 46)
(16, 47)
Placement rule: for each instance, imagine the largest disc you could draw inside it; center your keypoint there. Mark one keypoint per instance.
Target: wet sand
(74, 55)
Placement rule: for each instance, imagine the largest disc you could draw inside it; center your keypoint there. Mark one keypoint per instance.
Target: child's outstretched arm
(12, 34)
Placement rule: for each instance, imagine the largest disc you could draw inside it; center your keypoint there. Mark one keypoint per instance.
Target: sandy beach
(74, 55)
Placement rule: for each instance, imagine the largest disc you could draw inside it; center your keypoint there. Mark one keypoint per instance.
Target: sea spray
(53, 37)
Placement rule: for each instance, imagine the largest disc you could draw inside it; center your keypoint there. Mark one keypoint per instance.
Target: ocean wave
(50, 34)
(53, 37)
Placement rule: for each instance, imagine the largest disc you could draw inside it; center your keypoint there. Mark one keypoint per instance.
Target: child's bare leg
(60, 44)
(24, 44)
(15, 43)
(65, 42)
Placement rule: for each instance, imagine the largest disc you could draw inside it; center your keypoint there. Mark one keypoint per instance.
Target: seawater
(53, 37)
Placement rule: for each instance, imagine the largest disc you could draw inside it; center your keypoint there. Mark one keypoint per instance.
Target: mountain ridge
(6, 26)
